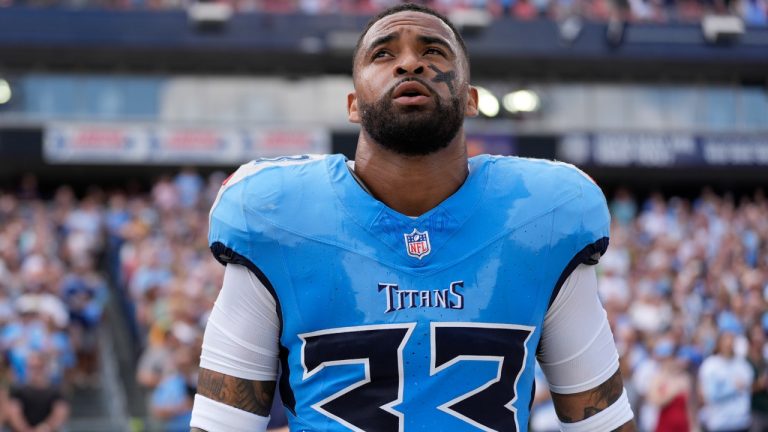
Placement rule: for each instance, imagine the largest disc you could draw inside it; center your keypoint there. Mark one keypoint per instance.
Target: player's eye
(380, 54)
(433, 50)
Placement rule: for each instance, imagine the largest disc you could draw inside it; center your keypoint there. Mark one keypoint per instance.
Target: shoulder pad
(253, 186)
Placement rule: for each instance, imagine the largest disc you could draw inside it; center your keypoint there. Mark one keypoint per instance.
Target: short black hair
(409, 7)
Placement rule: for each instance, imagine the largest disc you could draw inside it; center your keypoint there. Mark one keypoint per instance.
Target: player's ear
(470, 110)
(352, 114)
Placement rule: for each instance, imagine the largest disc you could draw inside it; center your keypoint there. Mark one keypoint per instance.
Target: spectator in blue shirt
(726, 383)
(171, 401)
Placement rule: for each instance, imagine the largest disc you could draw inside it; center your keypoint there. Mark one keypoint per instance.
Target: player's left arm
(577, 407)
(579, 357)
(577, 352)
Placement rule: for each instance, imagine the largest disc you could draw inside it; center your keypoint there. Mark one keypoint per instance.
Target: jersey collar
(390, 226)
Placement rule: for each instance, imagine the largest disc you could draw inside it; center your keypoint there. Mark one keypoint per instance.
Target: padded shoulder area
(264, 190)
(531, 188)
(262, 176)
(553, 180)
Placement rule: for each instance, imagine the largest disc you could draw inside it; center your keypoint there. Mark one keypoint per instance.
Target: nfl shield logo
(417, 243)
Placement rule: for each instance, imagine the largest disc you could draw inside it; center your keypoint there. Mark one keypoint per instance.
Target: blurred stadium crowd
(685, 284)
(52, 294)
(754, 12)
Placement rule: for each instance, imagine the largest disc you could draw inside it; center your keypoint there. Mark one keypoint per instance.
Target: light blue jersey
(393, 323)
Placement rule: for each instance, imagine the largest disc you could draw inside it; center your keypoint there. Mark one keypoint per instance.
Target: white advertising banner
(68, 143)
(80, 143)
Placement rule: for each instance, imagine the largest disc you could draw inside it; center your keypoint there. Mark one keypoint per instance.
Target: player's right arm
(254, 397)
(238, 364)
(248, 395)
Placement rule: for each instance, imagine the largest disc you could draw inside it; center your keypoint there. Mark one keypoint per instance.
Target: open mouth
(411, 93)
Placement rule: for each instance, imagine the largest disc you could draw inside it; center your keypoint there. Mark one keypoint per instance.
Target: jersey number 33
(368, 405)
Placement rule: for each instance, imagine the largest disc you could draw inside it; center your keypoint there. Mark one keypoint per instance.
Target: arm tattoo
(576, 407)
(252, 396)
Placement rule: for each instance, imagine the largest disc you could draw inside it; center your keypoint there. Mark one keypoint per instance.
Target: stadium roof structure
(292, 44)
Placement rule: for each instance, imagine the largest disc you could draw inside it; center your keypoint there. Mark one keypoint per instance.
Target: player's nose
(409, 62)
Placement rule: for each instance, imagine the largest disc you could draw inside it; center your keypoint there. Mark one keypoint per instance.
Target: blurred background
(119, 119)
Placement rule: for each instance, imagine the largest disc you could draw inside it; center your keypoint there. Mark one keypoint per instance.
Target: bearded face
(412, 130)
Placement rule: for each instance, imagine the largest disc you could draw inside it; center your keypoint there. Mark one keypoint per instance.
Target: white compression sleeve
(577, 351)
(212, 416)
(241, 337)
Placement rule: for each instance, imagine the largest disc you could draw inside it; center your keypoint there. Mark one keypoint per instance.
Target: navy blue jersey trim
(533, 395)
(226, 255)
(589, 255)
(286, 393)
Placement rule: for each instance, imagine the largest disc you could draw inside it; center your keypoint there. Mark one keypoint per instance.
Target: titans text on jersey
(398, 298)
(394, 323)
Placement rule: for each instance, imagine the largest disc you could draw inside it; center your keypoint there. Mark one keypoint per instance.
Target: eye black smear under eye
(447, 77)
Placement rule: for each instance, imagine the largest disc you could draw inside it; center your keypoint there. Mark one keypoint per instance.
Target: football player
(414, 288)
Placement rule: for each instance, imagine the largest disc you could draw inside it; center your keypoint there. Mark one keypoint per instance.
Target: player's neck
(411, 185)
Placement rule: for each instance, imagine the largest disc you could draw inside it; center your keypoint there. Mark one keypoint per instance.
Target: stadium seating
(754, 12)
